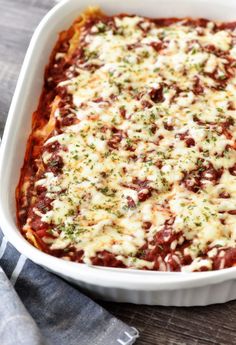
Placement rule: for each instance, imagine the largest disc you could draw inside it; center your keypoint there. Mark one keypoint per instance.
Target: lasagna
(131, 161)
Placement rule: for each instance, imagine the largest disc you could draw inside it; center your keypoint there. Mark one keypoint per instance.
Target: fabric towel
(43, 309)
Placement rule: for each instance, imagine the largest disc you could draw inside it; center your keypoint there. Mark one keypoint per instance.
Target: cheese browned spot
(140, 170)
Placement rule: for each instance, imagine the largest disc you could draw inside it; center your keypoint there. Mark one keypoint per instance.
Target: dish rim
(112, 277)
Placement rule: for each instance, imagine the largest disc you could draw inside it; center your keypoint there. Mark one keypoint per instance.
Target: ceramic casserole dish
(114, 284)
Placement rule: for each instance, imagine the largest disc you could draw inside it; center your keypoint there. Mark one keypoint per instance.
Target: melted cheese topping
(152, 148)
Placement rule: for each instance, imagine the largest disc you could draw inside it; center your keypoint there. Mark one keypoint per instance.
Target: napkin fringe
(131, 338)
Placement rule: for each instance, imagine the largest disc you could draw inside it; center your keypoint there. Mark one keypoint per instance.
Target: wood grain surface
(157, 325)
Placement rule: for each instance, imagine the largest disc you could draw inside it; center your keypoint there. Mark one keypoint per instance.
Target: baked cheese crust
(131, 161)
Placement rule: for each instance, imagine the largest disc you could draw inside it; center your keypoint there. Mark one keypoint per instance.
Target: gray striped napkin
(43, 309)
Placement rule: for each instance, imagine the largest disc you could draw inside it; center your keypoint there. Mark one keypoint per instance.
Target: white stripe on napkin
(18, 269)
(3, 247)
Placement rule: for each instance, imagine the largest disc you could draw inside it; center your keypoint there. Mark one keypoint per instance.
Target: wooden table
(157, 325)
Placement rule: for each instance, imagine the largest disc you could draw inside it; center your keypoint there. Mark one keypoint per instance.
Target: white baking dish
(123, 285)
